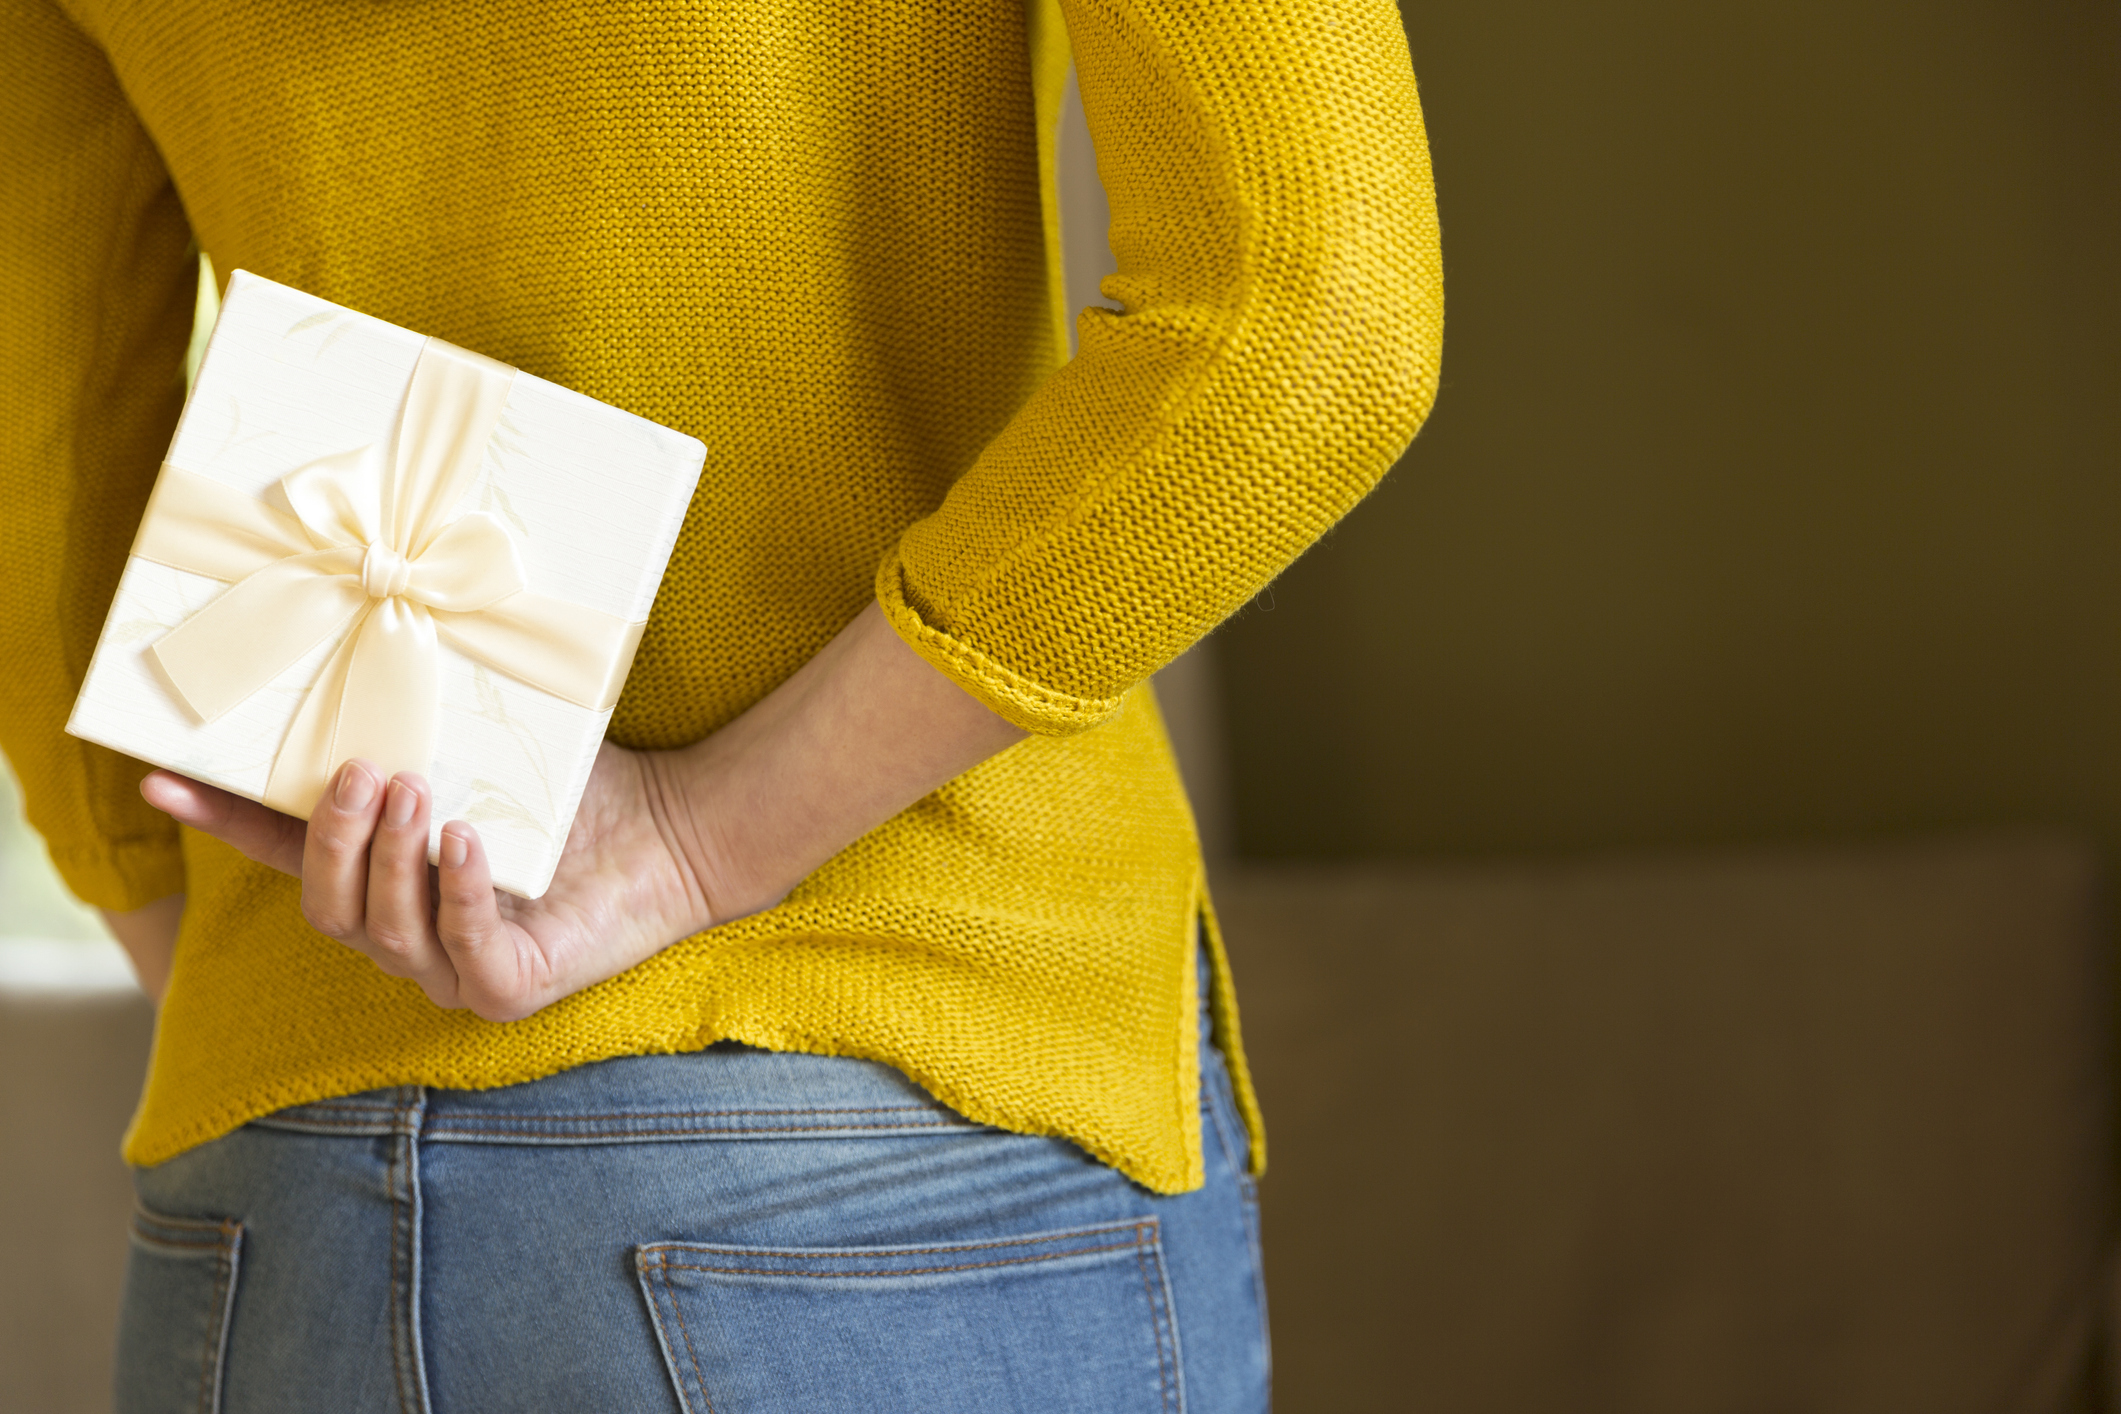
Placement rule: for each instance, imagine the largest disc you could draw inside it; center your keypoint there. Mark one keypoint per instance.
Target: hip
(729, 1230)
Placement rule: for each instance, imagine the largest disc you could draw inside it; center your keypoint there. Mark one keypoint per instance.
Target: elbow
(1406, 387)
(1366, 368)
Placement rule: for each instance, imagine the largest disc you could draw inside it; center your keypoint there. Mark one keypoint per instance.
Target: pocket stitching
(655, 1265)
(699, 1376)
(222, 1238)
(662, 1249)
(445, 1129)
(902, 1271)
(1158, 1318)
(657, 1292)
(941, 1110)
(1222, 1114)
(180, 1247)
(181, 1232)
(217, 1336)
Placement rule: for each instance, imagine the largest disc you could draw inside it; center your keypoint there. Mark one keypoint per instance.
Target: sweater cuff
(122, 875)
(1016, 699)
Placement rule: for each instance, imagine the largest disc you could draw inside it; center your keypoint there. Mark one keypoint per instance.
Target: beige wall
(1773, 490)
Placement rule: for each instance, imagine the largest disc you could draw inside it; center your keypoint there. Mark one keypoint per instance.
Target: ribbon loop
(470, 566)
(376, 555)
(338, 499)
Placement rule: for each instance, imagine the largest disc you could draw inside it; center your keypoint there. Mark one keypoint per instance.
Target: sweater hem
(147, 1146)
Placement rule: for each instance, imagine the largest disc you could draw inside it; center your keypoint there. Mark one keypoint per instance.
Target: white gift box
(591, 498)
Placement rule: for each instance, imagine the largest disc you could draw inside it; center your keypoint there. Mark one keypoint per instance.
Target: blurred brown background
(1772, 488)
(1655, 1005)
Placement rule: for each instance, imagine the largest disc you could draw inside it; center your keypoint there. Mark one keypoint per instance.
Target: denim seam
(443, 1129)
(1211, 1101)
(900, 1271)
(705, 1114)
(391, 1112)
(699, 1376)
(397, 1339)
(656, 1293)
(1212, 1098)
(217, 1333)
(1156, 1332)
(204, 1403)
(203, 1231)
(404, 1180)
(183, 1249)
(348, 1106)
(184, 1245)
(662, 1249)
(1158, 1320)
(1178, 1340)
(384, 1123)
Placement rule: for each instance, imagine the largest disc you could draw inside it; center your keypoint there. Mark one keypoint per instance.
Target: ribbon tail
(379, 699)
(393, 695)
(299, 772)
(576, 654)
(258, 629)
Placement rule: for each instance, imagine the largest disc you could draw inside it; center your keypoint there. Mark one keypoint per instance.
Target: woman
(857, 1056)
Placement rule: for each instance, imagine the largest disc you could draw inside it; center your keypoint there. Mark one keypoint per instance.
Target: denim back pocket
(180, 1285)
(1074, 1322)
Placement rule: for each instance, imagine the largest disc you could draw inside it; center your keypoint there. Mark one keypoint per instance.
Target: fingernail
(356, 787)
(399, 805)
(453, 850)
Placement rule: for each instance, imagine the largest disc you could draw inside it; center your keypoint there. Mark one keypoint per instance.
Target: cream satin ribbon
(374, 550)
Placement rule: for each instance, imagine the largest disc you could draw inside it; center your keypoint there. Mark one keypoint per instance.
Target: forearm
(664, 845)
(149, 937)
(860, 732)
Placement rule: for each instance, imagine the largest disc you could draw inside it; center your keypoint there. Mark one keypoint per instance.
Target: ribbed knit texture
(818, 237)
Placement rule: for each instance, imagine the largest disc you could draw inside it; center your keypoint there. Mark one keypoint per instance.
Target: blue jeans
(728, 1232)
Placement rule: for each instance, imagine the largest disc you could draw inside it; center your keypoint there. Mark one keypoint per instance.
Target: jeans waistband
(724, 1092)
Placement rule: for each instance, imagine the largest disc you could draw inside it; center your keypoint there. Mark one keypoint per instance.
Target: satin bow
(371, 547)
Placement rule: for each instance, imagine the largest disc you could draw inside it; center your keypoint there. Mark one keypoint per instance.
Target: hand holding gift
(621, 892)
(665, 844)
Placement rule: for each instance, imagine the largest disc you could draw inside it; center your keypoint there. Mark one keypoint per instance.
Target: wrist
(687, 794)
(857, 734)
(149, 937)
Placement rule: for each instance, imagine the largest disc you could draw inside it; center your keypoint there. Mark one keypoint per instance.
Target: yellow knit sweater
(821, 238)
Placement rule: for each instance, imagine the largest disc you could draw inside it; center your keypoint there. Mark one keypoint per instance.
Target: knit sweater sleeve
(95, 302)
(1275, 349)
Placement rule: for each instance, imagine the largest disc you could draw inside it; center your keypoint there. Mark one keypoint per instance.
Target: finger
(259, 831)
(400, 925)
(335, 854)
(490, 979)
